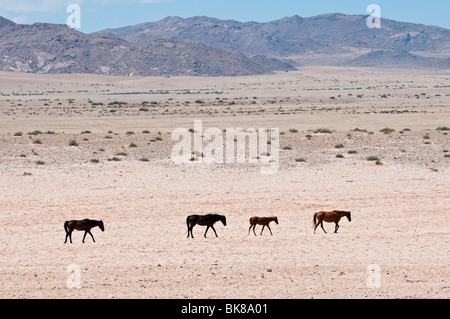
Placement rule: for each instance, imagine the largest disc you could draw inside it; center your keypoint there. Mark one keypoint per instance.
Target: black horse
(206, 220)
(85, 224)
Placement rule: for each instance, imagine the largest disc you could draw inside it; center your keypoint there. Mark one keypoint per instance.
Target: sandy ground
(396, 246)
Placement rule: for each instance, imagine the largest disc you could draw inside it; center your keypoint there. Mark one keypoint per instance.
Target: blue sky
(101, 14)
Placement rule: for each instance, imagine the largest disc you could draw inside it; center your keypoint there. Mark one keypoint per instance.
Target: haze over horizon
(98, 15)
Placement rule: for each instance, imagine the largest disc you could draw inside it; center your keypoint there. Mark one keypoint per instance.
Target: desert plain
(370, 141)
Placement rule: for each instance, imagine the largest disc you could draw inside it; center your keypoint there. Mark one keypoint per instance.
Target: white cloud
(107, 2)
(21, 19)
(27, 6)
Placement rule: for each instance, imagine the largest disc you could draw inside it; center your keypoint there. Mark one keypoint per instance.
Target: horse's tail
(66, 228)
(315, 220)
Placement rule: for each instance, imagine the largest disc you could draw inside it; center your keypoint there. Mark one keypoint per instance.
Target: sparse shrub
(73, 143)
(144, 159)
(117, 103)
(339, 156)
(373, 158)
(133, 145)
(443, 128)
(114, 159)
(95, 161)
(300, 160)
(18, 134)
(352, 152)
(40, 163)
(323, 130)
(387, 130)
(37, 142)
(287, 148)
(122, 154)
(293, 130)
(339, 146)
(35, 133)
(145, 132)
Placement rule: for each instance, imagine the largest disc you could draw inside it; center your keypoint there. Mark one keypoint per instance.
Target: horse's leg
(321, 225)
(249, 229)
(262, 229)
(212, 226)
(336, 228)
(269, 229)
(85, 233)
(67, 235)
(91, 235)
(207, 228)
(316, 225)
(254, 227)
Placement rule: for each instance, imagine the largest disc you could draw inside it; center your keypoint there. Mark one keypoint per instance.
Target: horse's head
(101, 226)
(223, 219)
(349, 216)
(275, 220)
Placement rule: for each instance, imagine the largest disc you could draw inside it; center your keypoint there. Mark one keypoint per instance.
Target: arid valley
(371, 141)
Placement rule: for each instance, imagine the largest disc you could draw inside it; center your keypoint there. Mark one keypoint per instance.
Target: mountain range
(212, 47)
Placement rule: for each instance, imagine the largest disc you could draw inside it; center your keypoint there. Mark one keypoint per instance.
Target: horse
(205, 220)
(330, 217)
(85, 224)
(265, 221)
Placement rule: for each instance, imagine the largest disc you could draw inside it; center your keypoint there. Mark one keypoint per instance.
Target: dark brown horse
(85, 224)
(265, 221)
(206, 220)
(330, 217)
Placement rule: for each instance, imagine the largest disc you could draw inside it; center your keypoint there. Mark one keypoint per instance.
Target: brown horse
(265, 221)
(330, 217)
(85, 224)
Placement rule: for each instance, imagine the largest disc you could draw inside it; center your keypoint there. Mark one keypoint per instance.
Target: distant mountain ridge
(203, 46)
(328, 34)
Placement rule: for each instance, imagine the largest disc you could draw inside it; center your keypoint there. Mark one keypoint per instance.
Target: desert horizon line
(329, 14)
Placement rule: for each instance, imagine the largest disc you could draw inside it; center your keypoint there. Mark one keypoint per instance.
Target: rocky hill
(50, 48)
(206, 46)
(325, 35)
